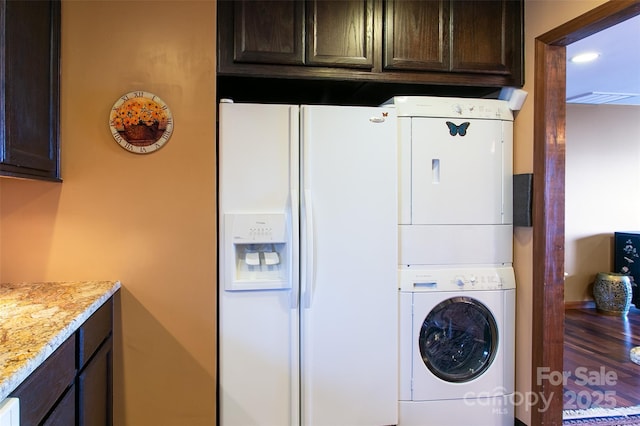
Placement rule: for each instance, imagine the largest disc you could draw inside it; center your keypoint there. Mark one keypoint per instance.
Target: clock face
(140, 122)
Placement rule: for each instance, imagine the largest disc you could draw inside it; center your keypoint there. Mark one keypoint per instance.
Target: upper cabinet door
(480, 37)
(486, 37)
(340, 33)
(416, 35)
(29, 89)
(268, 32)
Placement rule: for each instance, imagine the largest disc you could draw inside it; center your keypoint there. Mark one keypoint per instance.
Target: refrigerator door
(349, 343)
(258, 325)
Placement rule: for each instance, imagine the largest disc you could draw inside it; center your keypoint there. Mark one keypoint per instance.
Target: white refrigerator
(308, 293)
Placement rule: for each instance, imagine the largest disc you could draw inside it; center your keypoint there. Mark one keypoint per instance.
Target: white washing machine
(457, 346)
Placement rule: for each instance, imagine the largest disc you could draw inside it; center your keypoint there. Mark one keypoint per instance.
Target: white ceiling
(617, 70)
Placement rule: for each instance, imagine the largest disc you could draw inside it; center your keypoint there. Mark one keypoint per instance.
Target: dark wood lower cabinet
(64, 413)
(41, 391)
(74, 386)
(95, 389)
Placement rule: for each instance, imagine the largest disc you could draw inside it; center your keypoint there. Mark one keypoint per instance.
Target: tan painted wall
(148, 221)
(602, 183)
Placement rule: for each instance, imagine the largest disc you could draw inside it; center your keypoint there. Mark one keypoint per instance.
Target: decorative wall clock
(140, 122)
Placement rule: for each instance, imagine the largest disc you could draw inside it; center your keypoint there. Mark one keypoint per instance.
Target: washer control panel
(417, 278)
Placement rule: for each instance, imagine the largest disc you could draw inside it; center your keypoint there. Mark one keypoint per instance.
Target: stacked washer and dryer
(457, 286)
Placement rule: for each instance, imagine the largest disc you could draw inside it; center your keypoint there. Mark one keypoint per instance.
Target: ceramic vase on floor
(612, 293)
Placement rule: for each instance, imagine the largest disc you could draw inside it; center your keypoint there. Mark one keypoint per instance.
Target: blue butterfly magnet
(458, 130)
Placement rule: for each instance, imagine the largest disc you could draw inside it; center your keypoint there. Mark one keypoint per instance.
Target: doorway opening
(548, 196)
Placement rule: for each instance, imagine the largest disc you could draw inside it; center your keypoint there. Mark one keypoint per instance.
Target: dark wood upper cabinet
(29, 85)
(483, 37)
(293, 36)
(395, 45)
(486, 37)
(416, 35)
(340, 33)
(268, 32)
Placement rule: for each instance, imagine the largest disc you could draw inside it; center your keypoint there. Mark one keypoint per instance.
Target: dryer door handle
(435, 170)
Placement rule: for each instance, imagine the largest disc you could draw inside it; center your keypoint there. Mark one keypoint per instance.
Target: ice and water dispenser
(256, 251)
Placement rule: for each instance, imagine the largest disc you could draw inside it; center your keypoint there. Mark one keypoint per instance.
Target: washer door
(458, 339)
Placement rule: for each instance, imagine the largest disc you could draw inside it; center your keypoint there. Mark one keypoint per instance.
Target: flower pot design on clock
(140, 122)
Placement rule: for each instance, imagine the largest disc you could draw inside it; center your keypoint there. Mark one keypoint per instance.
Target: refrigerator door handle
(310, 250)
(294, 273)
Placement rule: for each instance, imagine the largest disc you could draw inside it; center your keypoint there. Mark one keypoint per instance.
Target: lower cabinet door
(40, 391)
(95, 389)
(65, 411)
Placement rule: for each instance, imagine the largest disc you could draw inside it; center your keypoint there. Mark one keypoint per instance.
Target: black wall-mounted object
(522, 199)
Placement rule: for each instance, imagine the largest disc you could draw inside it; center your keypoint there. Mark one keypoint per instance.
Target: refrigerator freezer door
(258, 328)
(254, 157)
(349, 343)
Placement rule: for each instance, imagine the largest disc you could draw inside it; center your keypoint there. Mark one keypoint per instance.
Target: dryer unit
(456, 171)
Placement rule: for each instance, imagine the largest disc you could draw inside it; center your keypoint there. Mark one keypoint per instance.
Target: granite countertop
(36, 318)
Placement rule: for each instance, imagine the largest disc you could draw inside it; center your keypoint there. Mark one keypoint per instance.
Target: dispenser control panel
(258, 228)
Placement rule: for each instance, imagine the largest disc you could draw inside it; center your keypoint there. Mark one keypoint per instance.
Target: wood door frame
(549, 196)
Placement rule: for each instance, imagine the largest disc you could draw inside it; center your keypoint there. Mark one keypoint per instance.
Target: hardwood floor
(597, 367)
